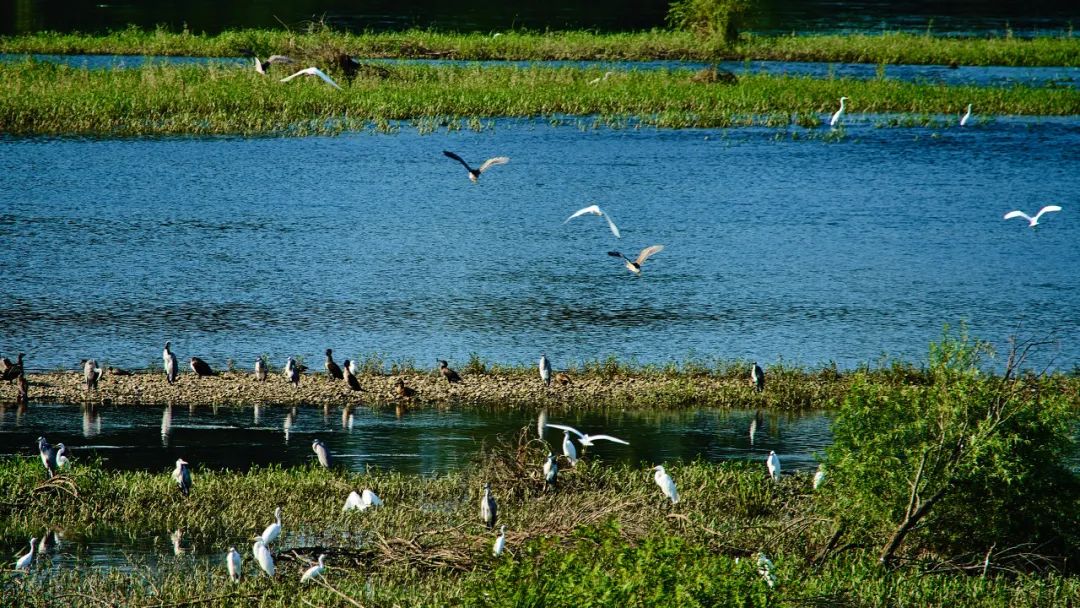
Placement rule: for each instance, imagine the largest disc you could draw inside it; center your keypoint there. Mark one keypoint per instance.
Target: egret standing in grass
(545, 370)
(48, 456)
(361, 502)
(489, 510)
(773, 463)
(322, 453)
(232, 562)
(757, 377)
(172, 369)
(966, 117)
(474, 174)
(819, 477)
(272, 531)
(551, 471)
(568, 448)
(666, 483)
(182, 476)
(23, 562)
(292, 372)
(595, 210)
(62, 461)
(839, 113)
(500, 542)
(314, 571)
(1032, 221)
(263, 556)
(634, 265)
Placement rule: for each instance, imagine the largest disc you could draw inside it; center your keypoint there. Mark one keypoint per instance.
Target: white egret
(765, 568)
(272, 531)
(451, 376)
(23, 562)
(361, 502)
(333, 370)
(232, 562)
(172, 369)
(200, 367)
(966, 117)
(292, 372)
(62, 461)
(314, 571)
(666, 483)
(48, 456)
(551, 470)
(585, 439)
(1032, 221)
(323, 454)
(263, 556)
(598, 79)
(568, 448)
(545, 370)
(91, 374)
(474, 174)
(489, 510)
(595, 210)
(313, 71)
(819, 477)
(500, 542)
(182, 476)
(757, 376)
(634, 265)
(773, 463)
(839, 113)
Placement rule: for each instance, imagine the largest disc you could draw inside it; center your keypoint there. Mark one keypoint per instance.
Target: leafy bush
(713, 18)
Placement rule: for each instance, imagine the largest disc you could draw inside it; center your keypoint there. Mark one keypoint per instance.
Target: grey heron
(23, 562)
(260, 370)
(182, 476)
(545, 370)
(474, 174)
(263, 556)
(361, 502)
(272, 531)
(838, 114)
(450, 375)
(551, 471)
(585, 439)
(489, 509)
(666, 483)
(91, 374)
(232, 562)
(1032, 221)
(313, 71)
(169, 360)
(325, 459)
(48, 456)
(200, 367)
(313, 571)
(634, 265)
(333, 370)
(773, 463)
(595, 210)
(757, 377)
(292, 372)
(500, 542)
(966, 117)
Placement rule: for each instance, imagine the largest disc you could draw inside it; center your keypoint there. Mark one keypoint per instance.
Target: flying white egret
(313, 71)
(182, 476)
(585, 439)
(172, 368)
(474, 174)
(966, 117)
(62, 461)
(361, 502)
(836, 117)
(595, 210)
(773, 462)
(232, 562)
(272, 531)
(23, 562)
(598, 79)
(48, 456)
(489, 510)
(545, 370)
(323, 454)
(765, 568)
(634, 266)
(292, 372)
(1032, 221)
(313, 571)
(263, 556)
(666, 483)
(819, 477)
(757, 376)
(551, 470)
(500, 542)
(568, 448)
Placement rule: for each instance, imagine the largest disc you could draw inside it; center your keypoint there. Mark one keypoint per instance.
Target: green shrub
(713, 18)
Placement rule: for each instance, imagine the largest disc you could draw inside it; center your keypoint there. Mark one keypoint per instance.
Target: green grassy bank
(892, 48)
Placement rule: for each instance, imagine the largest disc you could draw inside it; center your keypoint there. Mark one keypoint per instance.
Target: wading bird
(91, 374)
(966, 117)
(350, 378)
(450, 375)
(361, 502)
(292, 372)
(598, 79)
(551, 471)
(500, 542)
(182, 476)
(595, 210)
(634, 266)
(568, 448)
(262, 556)
(313, 71)
(839, 113)
(765, 568)
(332, 369)
(1032, 221)
(169, 360)
(200, 367)
(322, 453)
(666, 483)
(48, 456)
(545, 370)
(757, 377)
(313, 571)
(272, 531)
(232, 562)
(585, 439)
(474, 174)
(773, 463)
(260, 370)
(489, 510)
(819, 477)
(14, 370)
(403, 391)
(23, 562)
(62, 461)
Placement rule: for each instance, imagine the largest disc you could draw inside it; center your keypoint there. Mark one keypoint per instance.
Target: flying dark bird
(91, 374)
(474, 174)
(292, 372)
(182, 476)
(634, 266)
(169, 360)
(14, 370)
(489, 511)
(332, 369)
(350, 378)
(403, 391)
(48, 456)
(200, 367)
(323, 454)
(757, 376)
(450, 375)
(260, 370)
(262, 66)
(545, 370)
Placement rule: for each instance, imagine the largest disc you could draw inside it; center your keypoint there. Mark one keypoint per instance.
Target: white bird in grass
(313, 71)
(634, 266)
(836, 116)
(568, 448)
(765, 568)
(474, 174)
(323, 454)
(23, 562)
(666, 483)
(361, 502)
(595, 210)
(819, 477)
(262, 556)
(585, 439)
(1032, 221)
(500, 543)
(313, 571)
(773, 462)
(966, 117)
(272, 531)
(232, 562)
(598, 79)
(62, 461)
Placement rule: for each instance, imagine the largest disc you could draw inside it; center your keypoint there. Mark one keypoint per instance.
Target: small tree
(957, 467)
(719, 18)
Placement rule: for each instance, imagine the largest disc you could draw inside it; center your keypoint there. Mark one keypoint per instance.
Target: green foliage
(713, 18)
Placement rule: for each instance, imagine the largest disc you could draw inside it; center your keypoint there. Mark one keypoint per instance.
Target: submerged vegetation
(48, 98)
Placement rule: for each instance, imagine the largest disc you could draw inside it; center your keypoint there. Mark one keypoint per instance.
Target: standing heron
(325, 459)
(773, 463)
(313, 571)
(634, 265)
(489, 510)
(272, 531)
(350, 378)
(474, 174)
(14, 370)
(182, 476)
(451, 376)
(839, 113)
(545, 370)
(666, 483)
(551, 471)
(292, 372)
(260, 370)
(966, 117)
(500, 542)
(62, 461)
(757, 377)
(48, 456)
(200, 367)
(333, 371)
(171, 367)
(232, 562)
(568, 448)
(91, 374)
(23, 562)
(263, 556)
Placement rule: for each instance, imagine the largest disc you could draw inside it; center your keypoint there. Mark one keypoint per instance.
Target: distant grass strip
(890, 47)
(45, 98)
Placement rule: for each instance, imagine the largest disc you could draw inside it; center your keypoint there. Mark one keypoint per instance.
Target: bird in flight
(1032, 221)
(595, 210)
(474, 174)
(313, 71)
(586, 439)
(634, 265)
